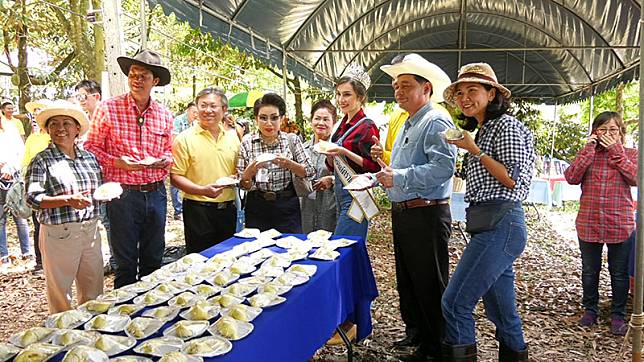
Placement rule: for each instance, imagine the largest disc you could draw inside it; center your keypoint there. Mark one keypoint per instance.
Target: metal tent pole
(636, 319)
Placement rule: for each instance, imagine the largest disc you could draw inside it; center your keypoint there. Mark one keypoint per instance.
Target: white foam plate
(116, 344)
(224, 300)
(250, 312)
(239, 290)
(155, 298)
(211, 312)
(158, 347)
(269, 234)
(171, 313)
(319, 235)
(74, 336)
(223, 278)
(304, 269)
(195, 327)
(117, 296)
(85, 353)
(324, 146)
(218, 346)
(291, 279)
(108, 191)
(42, 334)
(265, 157)
(264, 300)
(49, 350)
(149, 326)
(130, 358)
(8, 351)
(139, 287)
(67, 319)
(453, 134)
(271, 287)
(248, 233)
(243, 328)
(226, 181)
(113, 323)
(324, 254)
(361, 182)
(185, 300)
(206, 290)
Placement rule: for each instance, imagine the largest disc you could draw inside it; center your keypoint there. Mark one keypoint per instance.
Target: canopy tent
(547, 50)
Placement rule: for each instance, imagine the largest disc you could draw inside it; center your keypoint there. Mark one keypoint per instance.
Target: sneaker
(28, 257)
(178, 217)
(618, 326)
(588, 319)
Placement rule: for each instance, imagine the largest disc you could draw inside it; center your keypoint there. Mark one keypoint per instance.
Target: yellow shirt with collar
(35, 143)
(16, 123)
(202, 159)
(396, 121)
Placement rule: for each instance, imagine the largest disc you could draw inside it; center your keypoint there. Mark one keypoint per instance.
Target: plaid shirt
(606, 206)
(358, 142)
(278, 178)
(509, 142)
(115, 132)
(52, 173)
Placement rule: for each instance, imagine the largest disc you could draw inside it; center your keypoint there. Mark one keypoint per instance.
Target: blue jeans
(176, 200)
(346, 225)
(23, 233)
(137, 228)
(485, 270)
(591, 265)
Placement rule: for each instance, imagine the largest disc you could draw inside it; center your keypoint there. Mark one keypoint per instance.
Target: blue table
(294, 330)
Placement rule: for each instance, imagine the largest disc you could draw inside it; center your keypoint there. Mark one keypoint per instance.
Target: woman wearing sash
(354, 139)
(271, 201)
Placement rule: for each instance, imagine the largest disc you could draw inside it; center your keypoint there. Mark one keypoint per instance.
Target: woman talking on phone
(606, 171)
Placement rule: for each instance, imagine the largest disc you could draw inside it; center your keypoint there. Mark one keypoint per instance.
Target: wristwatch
(479, 155)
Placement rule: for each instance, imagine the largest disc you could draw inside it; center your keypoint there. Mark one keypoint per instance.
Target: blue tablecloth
(539, 192)
(457, 206)
(292, 331)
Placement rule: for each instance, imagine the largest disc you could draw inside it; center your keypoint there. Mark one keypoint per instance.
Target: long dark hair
(498, 106)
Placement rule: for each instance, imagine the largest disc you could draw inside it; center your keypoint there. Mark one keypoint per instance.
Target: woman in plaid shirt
(499, 171)
(606, 171)
(60, 182)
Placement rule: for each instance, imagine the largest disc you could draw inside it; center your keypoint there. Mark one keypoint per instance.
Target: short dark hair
(326, 104)
(211, 90)
(91, 86)
(357, 86)
(191, 104)
(606, 117)
(498, 106)
(5, 104)
(270, 99)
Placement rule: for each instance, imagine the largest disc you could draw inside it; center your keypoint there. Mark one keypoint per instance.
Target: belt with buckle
(144, 187)
(418, 202)
(216, 205)
(275, 195)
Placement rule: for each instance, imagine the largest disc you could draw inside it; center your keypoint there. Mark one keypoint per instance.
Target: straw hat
(39, 104)
(476, 73)
(416, 65)
(64, 108)
(148, 59)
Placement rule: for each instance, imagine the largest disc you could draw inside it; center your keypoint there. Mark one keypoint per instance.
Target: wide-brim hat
(148, 59)
(475, 73)
(64, 108)
(416, 65)
(39, 104)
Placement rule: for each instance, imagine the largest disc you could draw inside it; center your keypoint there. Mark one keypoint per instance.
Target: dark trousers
(205, 225)
(591, 265)
(34, 218)
(420, 238)
(282, 214)
(137, 228)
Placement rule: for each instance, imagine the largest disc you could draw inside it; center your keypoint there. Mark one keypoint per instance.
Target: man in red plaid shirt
(131, 135)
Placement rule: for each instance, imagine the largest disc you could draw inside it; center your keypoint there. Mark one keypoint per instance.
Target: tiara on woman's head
(356, 72)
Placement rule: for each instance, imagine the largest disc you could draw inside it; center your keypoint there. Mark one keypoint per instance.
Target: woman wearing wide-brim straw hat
(498, 168)
(60, 182)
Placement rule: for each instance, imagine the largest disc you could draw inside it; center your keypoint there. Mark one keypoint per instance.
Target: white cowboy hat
(416, 65)
(475, 73)
(39, 104)
(64, 108)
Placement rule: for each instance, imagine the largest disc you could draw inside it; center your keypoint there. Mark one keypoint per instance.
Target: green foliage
(607, 101)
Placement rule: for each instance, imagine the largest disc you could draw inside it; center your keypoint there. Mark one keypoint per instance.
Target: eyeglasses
(611, 130)
(272, 119)
(83, 96)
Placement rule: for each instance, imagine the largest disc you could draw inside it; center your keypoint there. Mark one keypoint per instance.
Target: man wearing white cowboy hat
(131, 135)
(60, 181)
(418, 183)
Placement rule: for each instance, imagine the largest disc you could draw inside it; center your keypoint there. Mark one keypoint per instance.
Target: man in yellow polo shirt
(7, 109)
(203, 154)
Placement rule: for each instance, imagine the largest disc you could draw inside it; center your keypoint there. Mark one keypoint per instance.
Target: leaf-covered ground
(548, 292)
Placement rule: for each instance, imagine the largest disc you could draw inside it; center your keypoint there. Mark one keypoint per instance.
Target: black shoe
(408, 341)
(508, 355)
(417, 356)
(459, 353)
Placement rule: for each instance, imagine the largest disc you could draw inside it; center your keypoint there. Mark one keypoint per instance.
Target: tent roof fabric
(546, 50)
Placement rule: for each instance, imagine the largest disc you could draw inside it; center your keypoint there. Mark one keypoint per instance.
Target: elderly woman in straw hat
(498, 168)
(60, 181)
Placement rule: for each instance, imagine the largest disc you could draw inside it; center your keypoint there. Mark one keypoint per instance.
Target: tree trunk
(24, 85)
(99, 45)
(619, 99)
(297, 92)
